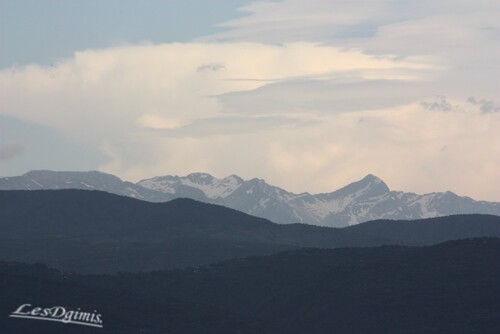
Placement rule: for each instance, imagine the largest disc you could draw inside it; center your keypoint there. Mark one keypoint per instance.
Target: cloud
(293, 20)
(439, 103)
(325, 96)
(401, 145)
(10, 151)
(107, 96)
(156, 109)
(211, 67)
(486, 106)
(461, 35)
(232, 125)
(343, 20)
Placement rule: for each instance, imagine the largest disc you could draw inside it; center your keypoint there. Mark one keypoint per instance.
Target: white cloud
(109, 90)
(111, 94)
(109, 98)
(403, 146)
(293, 20)
(462, 35)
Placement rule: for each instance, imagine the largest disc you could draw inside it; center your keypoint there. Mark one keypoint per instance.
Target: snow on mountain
(161, 183)
(367, 199)
(211, 187)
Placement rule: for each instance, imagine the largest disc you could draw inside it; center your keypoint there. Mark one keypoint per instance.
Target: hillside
(446, 288)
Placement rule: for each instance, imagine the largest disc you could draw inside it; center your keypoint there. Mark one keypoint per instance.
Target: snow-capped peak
(369, 186)
(372, 179)
(212, 187)
(199, 177)
(164, 184)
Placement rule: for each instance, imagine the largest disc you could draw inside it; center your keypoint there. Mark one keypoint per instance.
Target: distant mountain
(447, 288)
(365, 200)
(93, 180)
(99, 232)
(361, 201)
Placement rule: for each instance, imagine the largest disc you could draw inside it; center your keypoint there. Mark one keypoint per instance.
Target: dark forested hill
(98, 232)
(446, 288)
(93, 231)
(432, 230)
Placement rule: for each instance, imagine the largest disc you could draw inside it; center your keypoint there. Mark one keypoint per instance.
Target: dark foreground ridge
(446, 288)
(98, 232)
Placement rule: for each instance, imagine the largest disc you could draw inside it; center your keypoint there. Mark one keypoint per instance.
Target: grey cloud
(232, 125)
(362, 30)
(213, 67)
(324, 96)
(10, 151)
(486, 106)
(494, 31)
(440, 103)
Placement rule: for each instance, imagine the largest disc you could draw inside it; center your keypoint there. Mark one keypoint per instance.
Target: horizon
(309, 95)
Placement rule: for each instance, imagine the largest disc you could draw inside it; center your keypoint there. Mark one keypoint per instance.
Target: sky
(309, 95)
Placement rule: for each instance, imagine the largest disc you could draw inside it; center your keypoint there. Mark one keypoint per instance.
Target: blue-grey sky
(307, 94)
(44, 31)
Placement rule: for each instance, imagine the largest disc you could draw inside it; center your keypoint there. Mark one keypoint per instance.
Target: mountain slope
(93, 231)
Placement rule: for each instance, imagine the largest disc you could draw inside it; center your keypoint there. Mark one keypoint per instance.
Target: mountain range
(361, 201)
